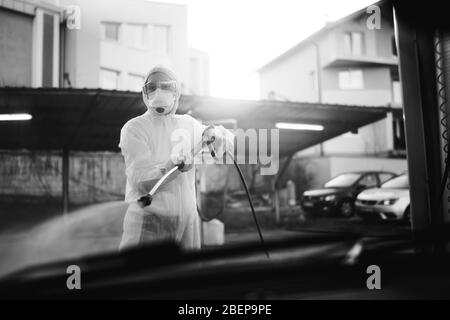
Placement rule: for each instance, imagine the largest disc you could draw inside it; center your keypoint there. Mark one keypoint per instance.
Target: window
(135, 36)
(343, 180)
(109, 79)
(353, 43)
(351, 79)
(384, 177)
(369, 180)
(135, 82)
(400, 182)
(110, 31)
(159, 39)
(45, 47)
(47, 55)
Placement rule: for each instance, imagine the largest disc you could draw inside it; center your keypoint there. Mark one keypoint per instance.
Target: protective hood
(172, 76)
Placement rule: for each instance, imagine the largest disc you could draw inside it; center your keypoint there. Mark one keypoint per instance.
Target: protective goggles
(168, 85)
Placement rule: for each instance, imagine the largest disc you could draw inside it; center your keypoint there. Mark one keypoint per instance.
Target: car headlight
(388, 202)
(331, 197)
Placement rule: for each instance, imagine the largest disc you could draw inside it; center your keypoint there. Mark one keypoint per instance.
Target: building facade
(198, 73)
(119, 41)
(112, 46)
(29, 43)
(345, 63)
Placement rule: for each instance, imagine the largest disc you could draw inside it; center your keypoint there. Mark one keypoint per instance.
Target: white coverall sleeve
(139, 168)
(227, 139)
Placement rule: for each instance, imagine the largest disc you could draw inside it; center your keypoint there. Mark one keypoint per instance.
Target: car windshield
(401, 182)
(343, 180)
(81, 169)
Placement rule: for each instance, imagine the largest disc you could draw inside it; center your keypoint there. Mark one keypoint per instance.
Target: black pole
(65, 180)
(283, 169)
(416, 28)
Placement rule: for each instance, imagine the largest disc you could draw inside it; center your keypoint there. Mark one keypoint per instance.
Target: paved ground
(352, 225)
(89, 230)
(48, 235)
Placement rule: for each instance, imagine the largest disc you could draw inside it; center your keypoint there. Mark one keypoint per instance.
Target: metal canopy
(336, 119)
(75, 119)
(91, 119)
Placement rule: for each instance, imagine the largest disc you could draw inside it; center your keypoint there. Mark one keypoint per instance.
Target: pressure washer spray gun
(207, 140)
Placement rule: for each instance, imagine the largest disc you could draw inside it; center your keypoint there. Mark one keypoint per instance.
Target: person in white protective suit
(152, 144)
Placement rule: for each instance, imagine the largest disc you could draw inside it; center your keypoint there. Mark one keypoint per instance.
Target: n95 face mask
(159, 97)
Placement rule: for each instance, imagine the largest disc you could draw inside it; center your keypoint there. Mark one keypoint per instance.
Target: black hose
(443, 184)
(441, 52)
(253, 209)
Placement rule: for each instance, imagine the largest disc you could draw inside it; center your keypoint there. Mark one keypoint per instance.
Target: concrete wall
(99, 177)
(343, 164)
(377, 89)
(86, 53)
(371, 139)
(16, 45)
(94, 177)
(323, 169)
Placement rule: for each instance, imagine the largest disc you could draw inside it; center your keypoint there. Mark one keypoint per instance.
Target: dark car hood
(321, 192)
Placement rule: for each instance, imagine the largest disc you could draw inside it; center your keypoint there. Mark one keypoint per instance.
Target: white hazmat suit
(148, 142)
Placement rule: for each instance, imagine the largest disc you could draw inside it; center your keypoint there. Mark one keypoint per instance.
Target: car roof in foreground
(368, 171)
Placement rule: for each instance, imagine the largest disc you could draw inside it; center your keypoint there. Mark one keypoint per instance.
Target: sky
(240, 36)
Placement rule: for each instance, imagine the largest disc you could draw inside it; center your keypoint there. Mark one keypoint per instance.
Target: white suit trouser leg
(141, 227)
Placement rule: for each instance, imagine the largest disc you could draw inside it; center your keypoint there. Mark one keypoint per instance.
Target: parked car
(388, 202)
(338, 195)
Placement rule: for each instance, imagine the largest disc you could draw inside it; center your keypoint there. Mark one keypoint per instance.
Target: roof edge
(316, 34)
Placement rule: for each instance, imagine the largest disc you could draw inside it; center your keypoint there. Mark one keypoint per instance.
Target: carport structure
(90, 120)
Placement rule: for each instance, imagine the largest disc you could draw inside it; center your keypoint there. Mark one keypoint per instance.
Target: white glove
(178, 158)
(220, 139)
(209, 135)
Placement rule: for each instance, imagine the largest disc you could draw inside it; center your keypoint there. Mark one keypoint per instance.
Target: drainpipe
(319, 73)
(62, 52)
(319, 84)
